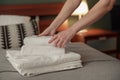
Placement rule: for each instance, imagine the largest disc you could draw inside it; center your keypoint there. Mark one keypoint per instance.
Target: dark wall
(115, 18)
(104, 23)
(4, 2)
(107, 21)
(117, 2)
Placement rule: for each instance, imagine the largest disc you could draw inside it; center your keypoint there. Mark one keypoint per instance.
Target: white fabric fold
(41, 50)
(35, 40)
(37, 59)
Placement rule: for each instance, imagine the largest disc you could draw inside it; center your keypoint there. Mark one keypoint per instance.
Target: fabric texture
(11, 36)
(35, 40)
(44, 58)
(43, 64)
(96, 66)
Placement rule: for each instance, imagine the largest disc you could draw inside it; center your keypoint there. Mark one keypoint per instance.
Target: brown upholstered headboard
(33, 10)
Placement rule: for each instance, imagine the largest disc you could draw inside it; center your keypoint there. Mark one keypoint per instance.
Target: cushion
(11, 36)
(13, 19)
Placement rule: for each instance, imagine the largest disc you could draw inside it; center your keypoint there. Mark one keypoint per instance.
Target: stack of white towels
(37, 56)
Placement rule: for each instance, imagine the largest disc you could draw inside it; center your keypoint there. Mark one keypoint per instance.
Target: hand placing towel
(43, 57)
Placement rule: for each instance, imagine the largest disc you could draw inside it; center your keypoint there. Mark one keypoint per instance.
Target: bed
(96, 65)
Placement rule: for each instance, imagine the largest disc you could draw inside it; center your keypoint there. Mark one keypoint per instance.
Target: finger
(45, 33)
(42, 34)
(59, 43)
(56, 42)
(53, 39)
(64, 43)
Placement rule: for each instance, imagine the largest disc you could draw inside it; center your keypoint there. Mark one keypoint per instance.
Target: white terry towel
(41, 50)
(35, 40)
(34, 65)
(44, 58)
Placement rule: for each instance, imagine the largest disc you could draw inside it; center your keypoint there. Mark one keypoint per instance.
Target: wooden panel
(44, 24)
(32, 9)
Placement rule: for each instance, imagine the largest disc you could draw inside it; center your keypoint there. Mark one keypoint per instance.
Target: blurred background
(110, 21)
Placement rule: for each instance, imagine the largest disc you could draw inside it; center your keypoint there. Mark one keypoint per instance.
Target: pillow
(13, 19)
(11, 36)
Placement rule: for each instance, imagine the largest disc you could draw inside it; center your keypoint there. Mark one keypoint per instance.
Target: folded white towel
(37, 56)
(42, 64)
(35, 40)
(41, 50)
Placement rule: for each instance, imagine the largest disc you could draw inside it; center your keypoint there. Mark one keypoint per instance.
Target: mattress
(96, 66)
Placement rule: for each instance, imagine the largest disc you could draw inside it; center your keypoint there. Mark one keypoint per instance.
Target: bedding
(97, 66)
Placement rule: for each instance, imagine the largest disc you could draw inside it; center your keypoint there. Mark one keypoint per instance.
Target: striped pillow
(11, 36)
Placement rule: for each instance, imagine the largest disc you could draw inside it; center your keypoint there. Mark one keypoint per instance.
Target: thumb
(39, 35)
(42, 34)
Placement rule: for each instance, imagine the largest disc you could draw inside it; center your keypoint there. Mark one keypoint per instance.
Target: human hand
(48, 32)
(62, 38)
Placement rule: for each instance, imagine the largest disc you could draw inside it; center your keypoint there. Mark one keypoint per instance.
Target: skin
(62, 38)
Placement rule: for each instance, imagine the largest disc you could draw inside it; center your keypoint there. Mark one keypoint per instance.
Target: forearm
(66, 11)
(98, 11)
